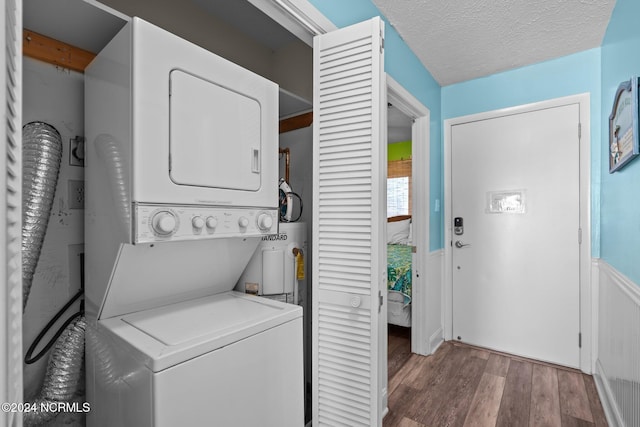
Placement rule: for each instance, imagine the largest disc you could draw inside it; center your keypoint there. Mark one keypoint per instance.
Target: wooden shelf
(55, 52)
(296, 122)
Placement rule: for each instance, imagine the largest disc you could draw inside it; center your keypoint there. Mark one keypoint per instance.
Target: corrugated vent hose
(41, 157)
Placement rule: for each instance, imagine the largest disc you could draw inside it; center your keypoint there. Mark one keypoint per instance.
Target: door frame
(583, 100)
(410, 106)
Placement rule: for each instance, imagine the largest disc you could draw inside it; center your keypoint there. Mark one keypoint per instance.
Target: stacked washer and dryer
(181, 187)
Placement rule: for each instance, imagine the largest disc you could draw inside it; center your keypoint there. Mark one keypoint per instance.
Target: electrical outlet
(75, 192)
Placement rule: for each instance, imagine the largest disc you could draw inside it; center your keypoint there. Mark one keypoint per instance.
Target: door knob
(459, 244)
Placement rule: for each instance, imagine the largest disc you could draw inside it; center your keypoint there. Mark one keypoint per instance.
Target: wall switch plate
(75, 191)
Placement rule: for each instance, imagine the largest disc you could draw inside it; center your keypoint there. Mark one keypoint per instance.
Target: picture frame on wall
(623, 126)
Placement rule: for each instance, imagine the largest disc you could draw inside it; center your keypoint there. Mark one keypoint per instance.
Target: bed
(399, 272)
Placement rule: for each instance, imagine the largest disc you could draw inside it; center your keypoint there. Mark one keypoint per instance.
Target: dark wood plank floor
(461, 385)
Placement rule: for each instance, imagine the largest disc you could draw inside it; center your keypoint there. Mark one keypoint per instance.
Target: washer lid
(169, 335)
(180, 323)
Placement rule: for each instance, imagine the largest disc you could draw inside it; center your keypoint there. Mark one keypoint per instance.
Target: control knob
(164, 223)
(264, 221)
(212, 222)
(243, 222)
(197, 222)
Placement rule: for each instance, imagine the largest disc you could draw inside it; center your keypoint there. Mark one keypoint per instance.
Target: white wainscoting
(618, 364)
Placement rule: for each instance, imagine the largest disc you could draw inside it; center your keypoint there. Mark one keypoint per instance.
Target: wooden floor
(462, 385)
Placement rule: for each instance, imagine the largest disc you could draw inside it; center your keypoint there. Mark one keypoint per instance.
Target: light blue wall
(402, 64)
(620, 208)
(569, 75)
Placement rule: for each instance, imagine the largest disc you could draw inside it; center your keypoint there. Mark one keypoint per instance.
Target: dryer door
(215, 138)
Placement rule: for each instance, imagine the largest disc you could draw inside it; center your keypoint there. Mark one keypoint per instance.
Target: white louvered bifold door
(349, 193)
(11, 212)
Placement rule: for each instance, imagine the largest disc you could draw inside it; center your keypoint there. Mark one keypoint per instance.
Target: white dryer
(182, 146)
(181, 185)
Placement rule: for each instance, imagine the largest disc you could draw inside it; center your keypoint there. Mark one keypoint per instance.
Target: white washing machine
(226, 360)
(181, 186)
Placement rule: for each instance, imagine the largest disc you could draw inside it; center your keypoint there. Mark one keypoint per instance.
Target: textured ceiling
(459, 40)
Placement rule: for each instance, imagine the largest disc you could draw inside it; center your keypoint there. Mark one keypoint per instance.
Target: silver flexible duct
(109, 370)
(63, 375)
(41, 156)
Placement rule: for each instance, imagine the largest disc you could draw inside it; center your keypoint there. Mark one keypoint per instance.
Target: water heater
(274, 267)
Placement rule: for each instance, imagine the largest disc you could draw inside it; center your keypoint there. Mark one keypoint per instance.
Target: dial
(212, 222)
(264, 221)
(243, 222)
(164, 223)
(197, 222)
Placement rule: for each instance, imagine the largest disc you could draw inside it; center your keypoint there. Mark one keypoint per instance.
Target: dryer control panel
(161, 223)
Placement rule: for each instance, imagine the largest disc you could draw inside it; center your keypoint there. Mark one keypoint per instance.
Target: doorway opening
(408, 112)
(399, 238)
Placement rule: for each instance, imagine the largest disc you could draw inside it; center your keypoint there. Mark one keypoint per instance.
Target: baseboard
(436, 340)
(614, 419)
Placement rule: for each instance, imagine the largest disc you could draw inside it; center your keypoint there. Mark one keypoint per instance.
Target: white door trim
(585, 213)
(300, 17)
(409, 105)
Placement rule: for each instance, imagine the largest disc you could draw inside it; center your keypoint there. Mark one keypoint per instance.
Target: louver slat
(348, 205)
(11, 211)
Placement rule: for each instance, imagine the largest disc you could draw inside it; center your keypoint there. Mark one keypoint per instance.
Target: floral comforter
(399, 270)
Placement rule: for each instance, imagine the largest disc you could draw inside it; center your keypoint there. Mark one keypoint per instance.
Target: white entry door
(349, 244)
(515, 241)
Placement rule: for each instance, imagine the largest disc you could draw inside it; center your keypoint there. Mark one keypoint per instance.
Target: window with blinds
(399, 188)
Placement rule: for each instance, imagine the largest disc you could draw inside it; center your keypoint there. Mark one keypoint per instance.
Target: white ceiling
(459, 40)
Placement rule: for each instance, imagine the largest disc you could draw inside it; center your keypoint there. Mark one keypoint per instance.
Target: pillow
(398, 231)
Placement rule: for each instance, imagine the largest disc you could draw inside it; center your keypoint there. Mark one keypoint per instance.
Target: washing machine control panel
(158, 223)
